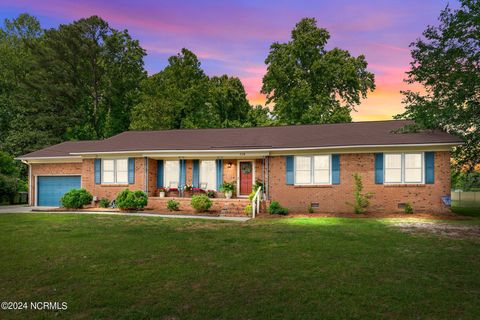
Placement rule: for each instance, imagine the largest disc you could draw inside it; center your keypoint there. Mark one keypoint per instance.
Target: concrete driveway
(20, 208)
(15, 209)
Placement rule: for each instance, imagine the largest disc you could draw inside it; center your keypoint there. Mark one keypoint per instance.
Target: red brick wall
(424, 198)
(110, 191)
(46, 169)
(333, 198)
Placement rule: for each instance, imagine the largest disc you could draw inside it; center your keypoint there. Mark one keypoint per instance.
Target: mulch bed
(434, 216)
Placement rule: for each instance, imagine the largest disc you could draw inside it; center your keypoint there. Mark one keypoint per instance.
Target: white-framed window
(313, 169)
(171, 173)
(208, 173)
(114, 171)
(403, 167)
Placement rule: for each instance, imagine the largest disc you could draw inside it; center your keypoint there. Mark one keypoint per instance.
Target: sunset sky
(233, 37)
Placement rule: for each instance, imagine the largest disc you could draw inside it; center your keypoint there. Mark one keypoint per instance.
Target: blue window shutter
(290, 177)
(335, 169)
(159, 173)
(183, 174)
(196, 174)
(429, 167)
(98, 171)
(219, 163)
(379, 168)
(131, 170)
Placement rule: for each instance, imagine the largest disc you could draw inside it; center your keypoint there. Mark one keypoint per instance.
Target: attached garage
(50, 189)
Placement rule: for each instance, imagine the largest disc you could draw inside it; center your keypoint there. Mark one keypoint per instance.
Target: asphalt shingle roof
(278, 137)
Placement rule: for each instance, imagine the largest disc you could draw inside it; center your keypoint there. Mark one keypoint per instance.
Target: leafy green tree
(257, 116)
(15, 63)
(309, 84)
(9, 181)
(83, 80)
(182, 96)
(446, 63)
(229, 98)
(175, 97)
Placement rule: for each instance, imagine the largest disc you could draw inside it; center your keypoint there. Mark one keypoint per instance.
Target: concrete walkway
(178, 216)
(25, 209)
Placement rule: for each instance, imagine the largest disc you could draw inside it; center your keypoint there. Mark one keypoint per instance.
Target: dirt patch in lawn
(459, 231)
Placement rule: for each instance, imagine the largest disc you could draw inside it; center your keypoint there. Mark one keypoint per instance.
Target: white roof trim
(52, 158)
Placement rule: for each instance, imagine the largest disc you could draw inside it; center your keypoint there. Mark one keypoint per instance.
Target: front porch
(189, 177)
(180, 177)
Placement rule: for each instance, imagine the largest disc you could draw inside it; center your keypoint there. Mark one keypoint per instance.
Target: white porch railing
(256, 202)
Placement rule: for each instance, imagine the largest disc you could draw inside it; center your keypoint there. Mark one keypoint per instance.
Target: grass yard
(132, 267)
(466, 211)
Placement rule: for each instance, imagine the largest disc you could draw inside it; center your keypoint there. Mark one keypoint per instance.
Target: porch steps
(233, 209)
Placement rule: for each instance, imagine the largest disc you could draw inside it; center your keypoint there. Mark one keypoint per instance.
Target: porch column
(267, 184)
(146, 174)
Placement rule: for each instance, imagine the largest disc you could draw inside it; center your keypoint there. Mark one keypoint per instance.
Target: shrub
(255, 187)
(131, 200)
(211, 193)
(258, 184)
(276, 208)
(104, 203)
(408, 208)
(173, 205)
(201, 203)
(248, 209)
(361, 199)
(310, 209)
(76, 198)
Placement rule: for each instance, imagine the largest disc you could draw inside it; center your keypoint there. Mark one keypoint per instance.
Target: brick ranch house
(300, 166)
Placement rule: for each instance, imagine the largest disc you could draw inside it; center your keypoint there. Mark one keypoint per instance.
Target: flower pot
(228, 194)
(162, 194)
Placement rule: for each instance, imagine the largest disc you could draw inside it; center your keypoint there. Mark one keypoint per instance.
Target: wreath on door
(246, 168)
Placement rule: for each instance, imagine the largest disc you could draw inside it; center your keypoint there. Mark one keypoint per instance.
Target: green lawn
(466, 211)
(132, 267)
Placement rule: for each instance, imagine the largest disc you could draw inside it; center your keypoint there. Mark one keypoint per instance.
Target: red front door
(246, 175)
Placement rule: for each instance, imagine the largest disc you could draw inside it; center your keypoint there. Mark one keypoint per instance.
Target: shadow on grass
(465, 211)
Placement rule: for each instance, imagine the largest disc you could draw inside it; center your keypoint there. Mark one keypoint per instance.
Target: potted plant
(227, 188)
(187, 191)
(161, 192)
(211, 193)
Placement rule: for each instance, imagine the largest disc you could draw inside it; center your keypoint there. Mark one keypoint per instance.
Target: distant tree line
(86, 80)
